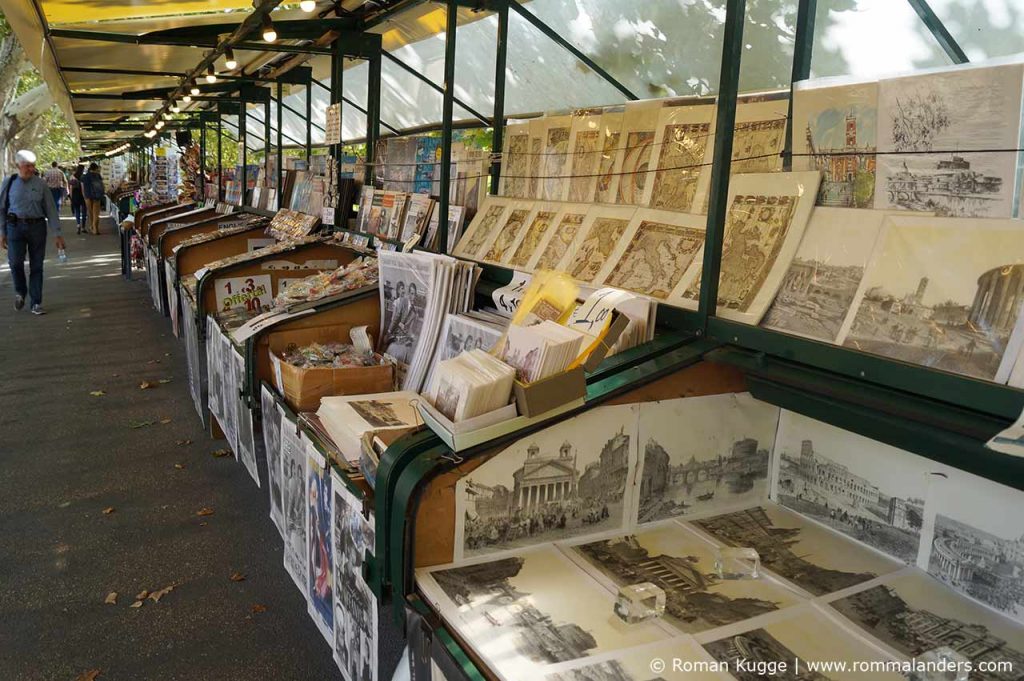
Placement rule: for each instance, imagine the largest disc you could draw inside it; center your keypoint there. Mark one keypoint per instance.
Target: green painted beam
(938, 29)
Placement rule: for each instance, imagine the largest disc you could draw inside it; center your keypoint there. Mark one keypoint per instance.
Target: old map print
(508, 235)
(636, 161)
(586, 157)
(556, 158)
(568, 226)
(656, 258)
(679, 165)
(482, 229)
(593, 252)
(516, 164)
(533, 238)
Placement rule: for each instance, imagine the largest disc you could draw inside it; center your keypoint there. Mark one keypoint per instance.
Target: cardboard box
(534, 399)
(303, 388)
(486, 427)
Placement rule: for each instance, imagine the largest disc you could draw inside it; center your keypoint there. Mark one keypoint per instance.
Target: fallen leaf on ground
(157, 595)
(237, 577)
(90, 675)
(97, 393)
(142, 594)
(257, 608)
(146, 385)
(205, 510)
(179, 466)
(134, 425)
(183, 443)
(164, 380)
(136, 604)
(111, 598)
(165, 421)
(115, 375)
(108, 510)
(221, 453)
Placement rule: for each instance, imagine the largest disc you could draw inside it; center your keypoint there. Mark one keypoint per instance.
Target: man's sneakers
(38, 309)
(19, 302)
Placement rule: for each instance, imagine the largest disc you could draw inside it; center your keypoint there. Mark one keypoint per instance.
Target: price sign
(508, 297)
(254, 293)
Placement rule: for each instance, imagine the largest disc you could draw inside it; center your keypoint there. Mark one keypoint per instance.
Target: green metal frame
(939, 31)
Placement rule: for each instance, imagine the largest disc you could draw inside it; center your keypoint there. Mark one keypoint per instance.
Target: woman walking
(78, 199)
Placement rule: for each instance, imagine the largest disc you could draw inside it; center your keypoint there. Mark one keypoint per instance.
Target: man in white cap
(26, 207)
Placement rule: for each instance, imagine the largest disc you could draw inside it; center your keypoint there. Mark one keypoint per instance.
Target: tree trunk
(18, 114)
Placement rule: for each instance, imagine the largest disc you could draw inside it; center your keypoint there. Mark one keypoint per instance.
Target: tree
(29, 118)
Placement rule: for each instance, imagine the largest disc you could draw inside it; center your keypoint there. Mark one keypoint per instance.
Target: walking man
(57, 181)
(26, 207)
(92, 187)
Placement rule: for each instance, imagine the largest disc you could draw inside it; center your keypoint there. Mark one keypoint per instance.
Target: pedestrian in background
(26, 207)
(78, 198)
(57, 181)
(92, 188)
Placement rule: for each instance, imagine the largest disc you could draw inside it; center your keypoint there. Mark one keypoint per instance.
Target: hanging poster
(947, 141)
(293, 497)
(272, 419)
(683, 154)
(555, 168)
(320, 553)
(355, 606)
(515, 166)
(610, 166)
(585, 144)
(637, 147)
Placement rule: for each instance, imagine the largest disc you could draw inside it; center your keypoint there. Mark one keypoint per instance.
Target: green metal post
(280, 142)
(725, 122)
(372, 115)
(450, 29)
(939, 31)
(803, 47)
(309, 125)
(243, 143)
(220, 157)
(498, 120)
(266, 143)
(337, 90)
(202, 159)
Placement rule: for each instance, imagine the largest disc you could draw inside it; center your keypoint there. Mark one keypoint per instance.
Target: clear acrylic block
(640, 602)
(941, 664)
(737, 562)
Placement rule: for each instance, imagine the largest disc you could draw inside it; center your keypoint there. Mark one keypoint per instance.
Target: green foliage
(863, 189)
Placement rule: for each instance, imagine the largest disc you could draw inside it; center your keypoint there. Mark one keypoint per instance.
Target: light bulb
(229, 60)
(175, 108)
(269, 34)
(158, 125)
(167, 116)
(211, 76)
(194, 88)
(187, 98)
(308, 5)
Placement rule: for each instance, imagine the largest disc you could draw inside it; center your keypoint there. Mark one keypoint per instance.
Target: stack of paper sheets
(471, 384)
(540, 350)
(346, 418)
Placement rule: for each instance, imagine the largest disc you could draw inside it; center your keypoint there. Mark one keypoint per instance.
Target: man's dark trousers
(27, 237)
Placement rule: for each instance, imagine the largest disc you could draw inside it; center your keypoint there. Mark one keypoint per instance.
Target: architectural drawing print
(507, 235)
(586, 159)
(680, 164)
(595, 248)
(755, 231)
(810, 557)
(636, 161)
(656, 258)
(978, 549)
(943, 293)
(821, 283)
(567, 480)
(783, 649)
(847, 169)
(683, 566)
(702, 453)
(532, 609)
(565, 234)
(913, 615)
(634, 664)
(534, 237)
(950, 132)
(556, 160)
(865, 489)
